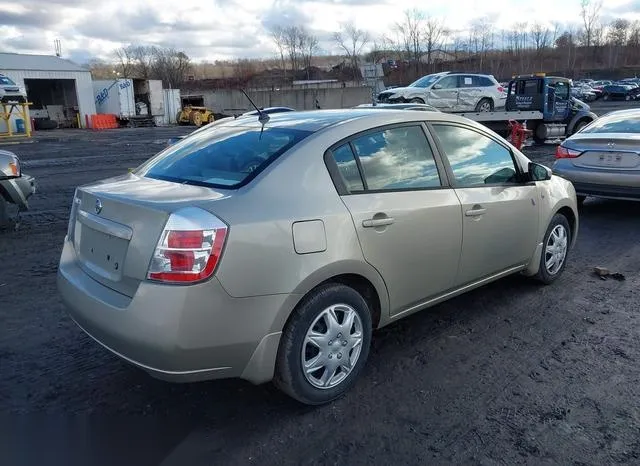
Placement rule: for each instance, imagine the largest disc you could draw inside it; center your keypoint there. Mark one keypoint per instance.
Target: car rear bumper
(600, 182)
(176, 333)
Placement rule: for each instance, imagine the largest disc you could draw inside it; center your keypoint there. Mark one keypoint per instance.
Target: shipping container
(115, 97)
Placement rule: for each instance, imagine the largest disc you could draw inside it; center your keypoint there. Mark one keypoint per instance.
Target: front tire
(416, 100)
(555, 249)
(325, 345)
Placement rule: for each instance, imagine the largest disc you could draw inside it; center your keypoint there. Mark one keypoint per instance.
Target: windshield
(426, 81)
(225, 157)
(615, 124)
(6, 81)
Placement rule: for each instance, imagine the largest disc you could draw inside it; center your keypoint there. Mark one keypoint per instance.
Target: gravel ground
(512, 373)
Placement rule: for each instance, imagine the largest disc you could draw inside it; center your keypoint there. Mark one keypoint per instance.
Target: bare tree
(279, 38)
(125, 61)
(352, 40)
(411, 32)
(170, 65)
(434, 33)
(481, 37)
(540, 36)
(590, 13)
(617, 37)
(309, 45)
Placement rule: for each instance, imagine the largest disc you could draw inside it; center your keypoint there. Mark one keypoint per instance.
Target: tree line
(421, 44)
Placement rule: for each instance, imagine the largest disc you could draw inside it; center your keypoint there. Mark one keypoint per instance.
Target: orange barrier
(106, 121)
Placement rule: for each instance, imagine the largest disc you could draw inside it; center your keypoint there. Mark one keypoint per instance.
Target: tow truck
(543, 104)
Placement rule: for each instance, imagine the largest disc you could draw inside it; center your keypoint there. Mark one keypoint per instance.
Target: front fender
(556, 194)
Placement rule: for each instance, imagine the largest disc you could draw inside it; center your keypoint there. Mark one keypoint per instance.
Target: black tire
(416, 100)
(606, 97)
(581, 124)
(41, 124)
(581, 200)
(483, 104)
(544, 275)
(289, 376)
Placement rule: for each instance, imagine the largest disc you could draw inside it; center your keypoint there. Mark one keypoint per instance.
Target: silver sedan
(603, 159)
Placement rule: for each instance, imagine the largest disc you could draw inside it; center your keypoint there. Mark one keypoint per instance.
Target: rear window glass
(614, 124)
(222, 157)
(6, 81)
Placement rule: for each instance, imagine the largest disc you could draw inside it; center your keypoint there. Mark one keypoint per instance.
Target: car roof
(316, 120)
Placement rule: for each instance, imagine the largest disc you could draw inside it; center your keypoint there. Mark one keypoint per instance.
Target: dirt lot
(513, 373)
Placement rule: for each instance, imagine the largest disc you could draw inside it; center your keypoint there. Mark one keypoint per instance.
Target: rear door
(408, 221)
(470, 93)
(499, 209)
(444, 93)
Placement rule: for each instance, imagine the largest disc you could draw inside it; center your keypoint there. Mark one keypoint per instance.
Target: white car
(10, 91)
(451, 92)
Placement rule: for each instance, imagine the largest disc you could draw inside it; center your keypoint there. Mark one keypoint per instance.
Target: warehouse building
(58, 89)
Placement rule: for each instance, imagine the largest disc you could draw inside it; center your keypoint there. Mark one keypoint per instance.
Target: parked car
(271, 250)
(620, 92)
(10, 91)
(584, 93)
(603, 159)
(16, 187)
(450, 92)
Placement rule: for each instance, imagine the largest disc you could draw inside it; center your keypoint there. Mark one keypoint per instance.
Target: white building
(59, 89)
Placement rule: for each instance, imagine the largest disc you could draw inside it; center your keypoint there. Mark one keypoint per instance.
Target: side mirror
(436, 86)
(9, 166)
(539, 172)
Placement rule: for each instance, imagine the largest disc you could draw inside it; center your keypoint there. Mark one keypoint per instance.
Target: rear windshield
(6, 81)
(222, 157)
(614, 124)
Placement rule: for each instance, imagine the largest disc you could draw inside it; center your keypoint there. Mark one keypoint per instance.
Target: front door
(499, 209)
(444, 93)
(408, 224)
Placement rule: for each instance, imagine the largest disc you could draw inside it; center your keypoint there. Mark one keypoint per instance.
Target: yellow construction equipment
(20, 110)
(196, 116)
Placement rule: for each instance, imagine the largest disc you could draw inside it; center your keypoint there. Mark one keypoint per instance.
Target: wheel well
(362, 286)
(571, 217)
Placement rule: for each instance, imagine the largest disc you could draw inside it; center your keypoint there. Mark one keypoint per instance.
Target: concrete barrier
(232, 101)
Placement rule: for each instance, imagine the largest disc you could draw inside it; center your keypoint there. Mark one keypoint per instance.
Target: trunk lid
(609, 151)
(118, 224)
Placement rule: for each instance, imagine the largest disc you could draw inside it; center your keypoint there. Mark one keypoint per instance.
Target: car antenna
(263, 118)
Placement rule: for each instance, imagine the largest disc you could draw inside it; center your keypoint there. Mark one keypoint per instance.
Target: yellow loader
(196, 116)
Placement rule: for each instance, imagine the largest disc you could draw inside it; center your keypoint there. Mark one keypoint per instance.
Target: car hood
(402, 90)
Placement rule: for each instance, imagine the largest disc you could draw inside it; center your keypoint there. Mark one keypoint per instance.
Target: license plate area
(607, 159)
(101, 253)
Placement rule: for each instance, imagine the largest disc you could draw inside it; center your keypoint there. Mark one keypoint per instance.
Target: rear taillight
(501, 89)
(189, 248)
(564, 153)
(75, 205)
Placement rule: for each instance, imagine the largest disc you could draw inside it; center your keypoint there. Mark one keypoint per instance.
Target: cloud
(43, 16)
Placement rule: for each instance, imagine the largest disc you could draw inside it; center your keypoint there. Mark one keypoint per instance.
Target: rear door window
(348, 168)
(6, 81)
(396, 159)
(222, 157)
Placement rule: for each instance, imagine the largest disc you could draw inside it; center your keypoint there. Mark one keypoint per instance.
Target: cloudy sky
(225, 29)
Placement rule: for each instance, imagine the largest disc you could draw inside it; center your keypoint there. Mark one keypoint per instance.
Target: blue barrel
(20, 125)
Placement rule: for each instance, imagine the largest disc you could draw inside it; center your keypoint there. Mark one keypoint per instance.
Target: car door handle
(377, 222)
(475, 212)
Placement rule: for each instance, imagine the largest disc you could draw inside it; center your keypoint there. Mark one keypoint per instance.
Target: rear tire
(485, 105)
(337, 344)
(555, 249)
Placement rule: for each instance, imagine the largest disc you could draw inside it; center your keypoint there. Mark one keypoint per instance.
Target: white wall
(83, 82)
